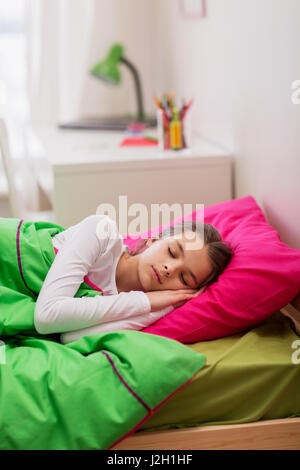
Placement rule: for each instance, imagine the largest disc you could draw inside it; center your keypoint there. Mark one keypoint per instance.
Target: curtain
(59, 36)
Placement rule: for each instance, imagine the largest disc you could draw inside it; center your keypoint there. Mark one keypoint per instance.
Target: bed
(255, 415)
(229, 403)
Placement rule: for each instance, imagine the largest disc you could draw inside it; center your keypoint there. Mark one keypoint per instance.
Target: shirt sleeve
(56, 309)
(133, 323)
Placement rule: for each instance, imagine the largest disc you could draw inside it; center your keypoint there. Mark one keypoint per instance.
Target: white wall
(130, 22)
(239, 63)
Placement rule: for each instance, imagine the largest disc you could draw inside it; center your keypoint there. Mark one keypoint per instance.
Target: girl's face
(172, 259)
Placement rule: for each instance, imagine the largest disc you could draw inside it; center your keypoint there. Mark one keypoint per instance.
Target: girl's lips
(156, 275)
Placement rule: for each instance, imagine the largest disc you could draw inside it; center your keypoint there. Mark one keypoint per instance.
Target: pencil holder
(174, 129)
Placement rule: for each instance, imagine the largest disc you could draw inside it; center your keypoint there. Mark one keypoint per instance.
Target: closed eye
(181, 276)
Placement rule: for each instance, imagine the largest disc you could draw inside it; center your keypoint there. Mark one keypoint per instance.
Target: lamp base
(113, 123)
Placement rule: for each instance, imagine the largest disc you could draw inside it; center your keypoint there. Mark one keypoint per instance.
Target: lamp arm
(138, 87)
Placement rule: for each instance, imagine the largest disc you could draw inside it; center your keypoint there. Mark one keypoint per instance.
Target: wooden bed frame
(275, 434)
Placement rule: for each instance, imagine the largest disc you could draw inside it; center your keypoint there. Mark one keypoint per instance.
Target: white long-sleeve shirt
(91, 248)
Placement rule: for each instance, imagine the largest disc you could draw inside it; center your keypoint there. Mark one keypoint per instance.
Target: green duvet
(88, 394)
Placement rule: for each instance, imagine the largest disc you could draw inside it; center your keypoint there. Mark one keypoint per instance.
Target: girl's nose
(171, 269)
(167, 270)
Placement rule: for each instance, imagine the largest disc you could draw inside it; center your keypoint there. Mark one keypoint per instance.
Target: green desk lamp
(108, 71)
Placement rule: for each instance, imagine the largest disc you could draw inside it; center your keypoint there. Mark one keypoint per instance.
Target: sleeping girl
(139, 287)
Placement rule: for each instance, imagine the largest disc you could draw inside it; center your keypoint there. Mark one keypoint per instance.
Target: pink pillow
(261, 278)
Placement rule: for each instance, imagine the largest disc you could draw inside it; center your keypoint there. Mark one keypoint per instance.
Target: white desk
(87, 168)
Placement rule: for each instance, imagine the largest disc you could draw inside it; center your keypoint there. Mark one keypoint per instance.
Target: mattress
(248, 377)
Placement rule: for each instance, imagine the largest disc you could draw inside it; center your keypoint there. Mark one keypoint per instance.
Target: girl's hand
(199, 291)
(163, 298)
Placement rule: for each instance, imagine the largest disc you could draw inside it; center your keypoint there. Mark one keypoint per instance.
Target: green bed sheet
(251, 376)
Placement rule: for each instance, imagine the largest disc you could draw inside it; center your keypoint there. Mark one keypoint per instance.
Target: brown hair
(218, 251)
